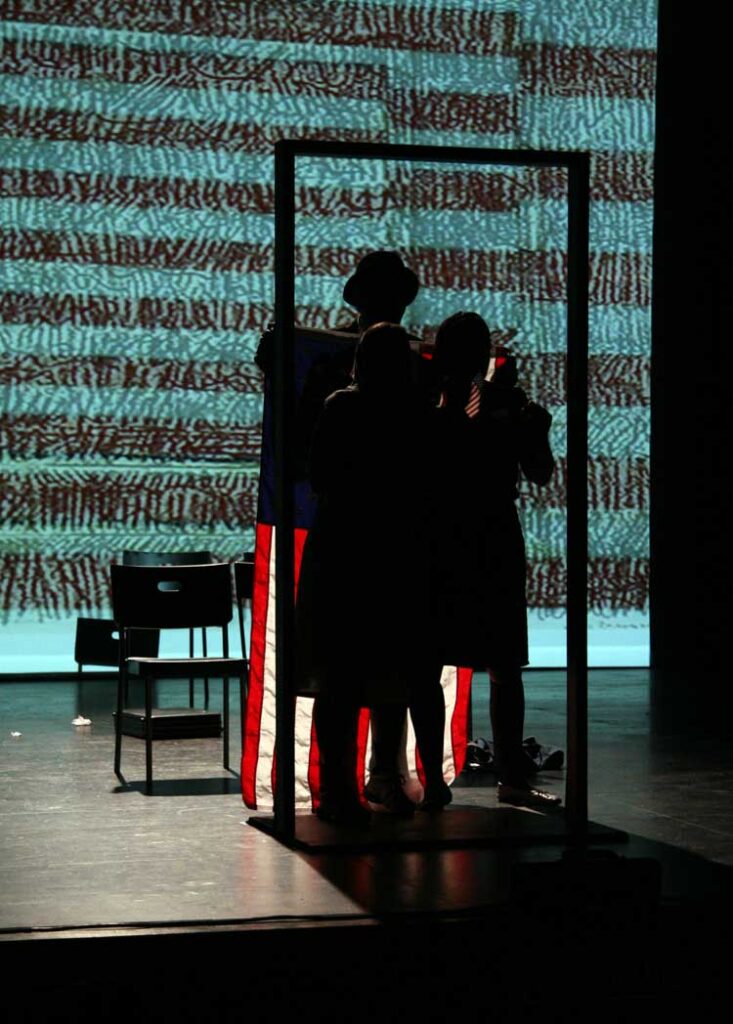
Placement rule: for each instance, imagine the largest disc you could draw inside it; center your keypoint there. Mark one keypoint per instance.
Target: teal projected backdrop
(136, 193)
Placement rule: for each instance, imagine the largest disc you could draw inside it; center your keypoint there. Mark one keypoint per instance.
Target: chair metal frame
(172, 597)
(134, 557)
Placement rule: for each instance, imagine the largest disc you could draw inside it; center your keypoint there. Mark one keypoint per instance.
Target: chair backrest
(244, 577)
(172, 596)
(130, 557)
(97, 642)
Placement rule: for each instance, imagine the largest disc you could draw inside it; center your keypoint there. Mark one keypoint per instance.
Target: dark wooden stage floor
(181, 873)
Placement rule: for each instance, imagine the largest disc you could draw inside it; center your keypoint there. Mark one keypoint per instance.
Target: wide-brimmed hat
(381, 276)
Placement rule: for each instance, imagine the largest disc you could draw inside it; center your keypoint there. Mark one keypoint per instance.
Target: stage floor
(81, 852)
(171, 907)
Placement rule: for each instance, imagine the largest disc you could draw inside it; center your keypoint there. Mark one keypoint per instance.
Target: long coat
(362, 605)
(479, 607)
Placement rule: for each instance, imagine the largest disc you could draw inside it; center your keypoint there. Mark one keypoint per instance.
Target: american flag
(136, 190)
(258, 755)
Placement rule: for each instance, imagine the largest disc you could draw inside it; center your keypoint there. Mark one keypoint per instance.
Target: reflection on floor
(80, 852)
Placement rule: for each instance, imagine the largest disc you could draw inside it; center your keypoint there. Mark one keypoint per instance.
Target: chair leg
(121, 689)
(226, 722)
(148, 737)
(190, 681)
(242, 641)
(204, 649)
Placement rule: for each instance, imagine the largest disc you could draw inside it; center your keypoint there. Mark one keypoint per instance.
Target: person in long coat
(489, 433)
(362, 611)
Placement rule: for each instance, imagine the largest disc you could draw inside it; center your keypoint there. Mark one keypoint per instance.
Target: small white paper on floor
(81, 720)
(15, 735)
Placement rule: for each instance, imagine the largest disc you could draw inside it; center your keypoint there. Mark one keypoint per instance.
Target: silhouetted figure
(362, 610)
(488, 432)
(380, 289)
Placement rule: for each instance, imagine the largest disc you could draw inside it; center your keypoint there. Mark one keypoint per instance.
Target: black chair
(172, 597)
(97, 642)
(133, 557)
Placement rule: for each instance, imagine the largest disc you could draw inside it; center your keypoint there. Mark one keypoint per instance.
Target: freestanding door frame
(578, 168)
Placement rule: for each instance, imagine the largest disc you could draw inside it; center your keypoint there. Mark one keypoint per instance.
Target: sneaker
(524, 795)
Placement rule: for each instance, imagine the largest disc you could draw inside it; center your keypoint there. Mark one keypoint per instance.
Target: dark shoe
(436, 798)
(350, 813)
(524, 795)
(389, 797)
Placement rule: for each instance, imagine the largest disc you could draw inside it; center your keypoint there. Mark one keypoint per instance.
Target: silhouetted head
(462, 347)
(381, 288)
(382, 364)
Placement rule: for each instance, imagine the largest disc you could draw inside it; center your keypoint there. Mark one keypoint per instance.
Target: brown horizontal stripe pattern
(152, 313)
(29, 436)
(77, 583)
(445, 111)
(135, 498)
(119, 372)
(76, 126)
(621, 180)
(179, 70)
(614, 485)
(387, 26)
(545, 69)
(548, 69)
(102, 311)
(539, 275)
(614, 177)
(614, 584)
(612, 380)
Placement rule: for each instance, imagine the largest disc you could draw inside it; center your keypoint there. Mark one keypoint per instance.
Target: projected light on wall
(137, 237)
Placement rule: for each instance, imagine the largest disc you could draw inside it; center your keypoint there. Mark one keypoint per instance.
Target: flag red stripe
(255, 694)
(459, 720)
(314, 768)
(435, 29)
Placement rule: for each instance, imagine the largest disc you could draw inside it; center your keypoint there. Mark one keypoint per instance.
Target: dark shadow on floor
(184, 787)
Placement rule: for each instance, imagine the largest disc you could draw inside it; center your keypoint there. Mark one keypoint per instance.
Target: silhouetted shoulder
(343, 398)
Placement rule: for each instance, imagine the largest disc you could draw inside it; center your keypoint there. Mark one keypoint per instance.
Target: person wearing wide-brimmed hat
(380, 289)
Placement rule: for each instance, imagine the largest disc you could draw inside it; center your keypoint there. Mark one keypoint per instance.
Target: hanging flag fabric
(315, 351)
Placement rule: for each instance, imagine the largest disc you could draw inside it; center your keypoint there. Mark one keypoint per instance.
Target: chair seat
(185, 668)
(172, 723)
